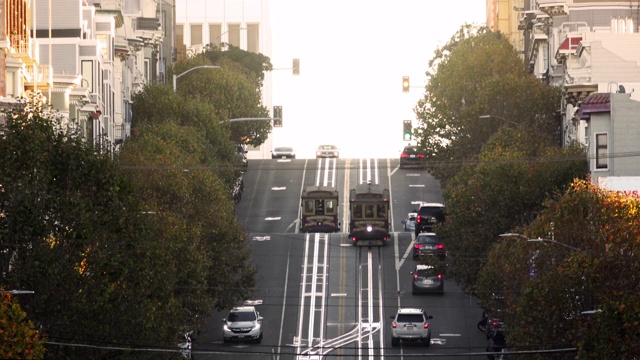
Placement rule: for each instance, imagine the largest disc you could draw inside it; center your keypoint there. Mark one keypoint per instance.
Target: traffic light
(406, 130)
(296, 66)
(405, 84)
(277, 116)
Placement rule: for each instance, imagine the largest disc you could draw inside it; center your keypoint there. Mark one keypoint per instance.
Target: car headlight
(225, 327)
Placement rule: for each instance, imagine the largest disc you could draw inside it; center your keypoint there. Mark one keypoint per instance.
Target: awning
(594, 103)
(568, 45)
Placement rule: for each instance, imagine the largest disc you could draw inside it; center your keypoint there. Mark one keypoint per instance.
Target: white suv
(242, 323)
(411, 324)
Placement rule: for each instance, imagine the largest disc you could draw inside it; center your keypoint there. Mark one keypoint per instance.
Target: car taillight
(353, 238)
(404, 155)
(418, 219)
(421, 156)
(439, 246)
(394, 325)
(417, 246)
(415, 276)
(440, 276)
(426, 325)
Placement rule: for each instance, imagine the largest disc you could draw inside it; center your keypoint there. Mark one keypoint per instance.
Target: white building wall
(225, 12)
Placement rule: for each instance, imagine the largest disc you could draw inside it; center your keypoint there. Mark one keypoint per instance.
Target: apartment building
(87, 60)
(591, 49)
(241, 23)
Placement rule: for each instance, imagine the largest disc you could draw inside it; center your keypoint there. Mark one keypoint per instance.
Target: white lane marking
(341, 294)
(262, 238)
(449, 334)
(413, 174)
(279, 188)
(418, 185)
(272, 218)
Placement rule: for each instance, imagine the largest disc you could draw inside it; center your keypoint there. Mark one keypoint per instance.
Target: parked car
(242, 323)
(283, 153)
(411, 324)
(428, 244)
(429, 215)
(411, 156)
(410, 222)
(327, 151)
(426, 279)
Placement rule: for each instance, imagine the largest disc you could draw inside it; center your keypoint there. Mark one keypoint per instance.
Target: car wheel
(395, 341)
(427, 341)
(259, 339)
(225, 340)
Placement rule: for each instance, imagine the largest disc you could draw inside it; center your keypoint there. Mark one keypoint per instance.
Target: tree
(478, 73)
(179, 164)
(233, 92)
(19, 339)
(577, 298)
(516, 172)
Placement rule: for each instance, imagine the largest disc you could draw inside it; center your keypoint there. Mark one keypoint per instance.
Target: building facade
(589, 47)
(87, 60)
(242, 23)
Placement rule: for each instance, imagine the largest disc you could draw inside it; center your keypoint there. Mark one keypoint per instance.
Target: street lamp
(175, 77)
(250, 119)
(539, 240)
(500, 118)
(18, 292)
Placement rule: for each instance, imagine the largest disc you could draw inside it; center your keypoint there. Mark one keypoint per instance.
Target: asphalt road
(321, 297)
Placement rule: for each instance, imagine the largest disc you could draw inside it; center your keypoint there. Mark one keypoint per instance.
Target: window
(331, 209)
(179, 35)
(356, 210)
(215, 34)
(319, 207)
(308, 206)
(87, 74)
(253, 38)
(196, 35)
(368, 211)
(382, 211)
(234, 34)
(602, 160)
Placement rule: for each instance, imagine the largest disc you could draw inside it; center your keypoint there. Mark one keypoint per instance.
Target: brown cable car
(319, 210)
(369, 209)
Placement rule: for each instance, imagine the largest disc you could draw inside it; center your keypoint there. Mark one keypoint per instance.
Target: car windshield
(327, 147)
(410, 318)
(284, 149)
(241, 316)
(409, 150)
(427, 239)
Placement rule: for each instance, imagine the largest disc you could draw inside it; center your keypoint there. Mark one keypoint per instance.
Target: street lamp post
(175, 77)
(500, 118)
(539, 240)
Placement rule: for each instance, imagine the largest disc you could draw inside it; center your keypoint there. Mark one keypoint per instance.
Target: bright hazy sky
(353, 55)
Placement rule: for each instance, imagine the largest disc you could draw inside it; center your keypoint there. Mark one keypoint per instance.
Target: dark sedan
(428, 244)
(412, 157)
(283, 153)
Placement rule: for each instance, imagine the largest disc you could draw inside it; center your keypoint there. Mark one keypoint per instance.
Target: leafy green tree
(478, 73)
(233, 92)
(19, 339)
(516, 171)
